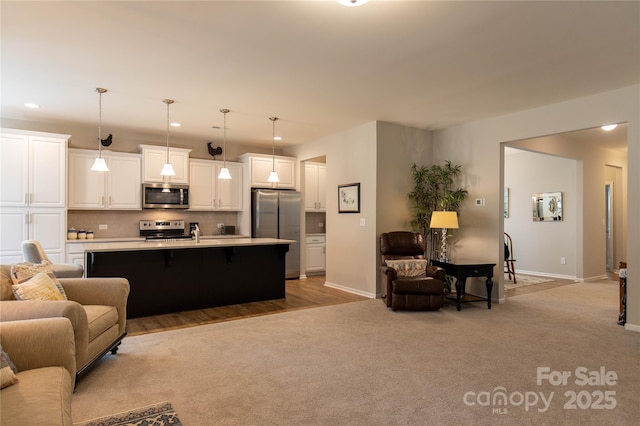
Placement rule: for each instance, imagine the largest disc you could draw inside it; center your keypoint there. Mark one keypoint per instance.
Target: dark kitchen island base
(179, 279)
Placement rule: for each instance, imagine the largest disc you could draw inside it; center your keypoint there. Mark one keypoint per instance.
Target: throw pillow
(40, 287)
(409, 267)
(22, 272)
(8, 371)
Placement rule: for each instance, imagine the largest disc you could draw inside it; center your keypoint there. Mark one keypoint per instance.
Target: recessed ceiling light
(31, 105)
(175, 124)
(277, 138)
(609, 127)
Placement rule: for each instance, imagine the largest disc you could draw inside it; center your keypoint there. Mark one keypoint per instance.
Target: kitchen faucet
(196, 233)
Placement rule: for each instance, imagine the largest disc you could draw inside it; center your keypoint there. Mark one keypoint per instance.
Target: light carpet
(524, 281)
(363, 364)
(161, 414)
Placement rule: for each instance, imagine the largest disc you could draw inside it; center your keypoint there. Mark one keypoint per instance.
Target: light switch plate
(363, 221)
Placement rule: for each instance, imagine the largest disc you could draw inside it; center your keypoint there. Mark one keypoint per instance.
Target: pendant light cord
(273, 143)
(224, 112)
(167, 102)
(100, 92)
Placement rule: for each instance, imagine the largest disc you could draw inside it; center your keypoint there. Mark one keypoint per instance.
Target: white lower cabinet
(316, 254)
(44, 225)
(75, 254)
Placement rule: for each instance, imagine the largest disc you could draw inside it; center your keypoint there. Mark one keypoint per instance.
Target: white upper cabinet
(154, 157)
(32, 169)
(207, 192)
(118, 189)
(260, 166)
(315, 187)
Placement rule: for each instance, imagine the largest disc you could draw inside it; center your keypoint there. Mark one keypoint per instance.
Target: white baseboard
(632, 327)
(350, 290)
(547, 275)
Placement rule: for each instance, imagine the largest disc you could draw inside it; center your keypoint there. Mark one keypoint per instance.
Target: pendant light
(224, 172)
(273, 176)
(100, 165)
(167, 169)
(352, 3)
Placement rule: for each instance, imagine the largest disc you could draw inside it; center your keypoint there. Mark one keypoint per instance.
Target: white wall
(350, 248)
(538, 246)
(477, 147)
(378, 155)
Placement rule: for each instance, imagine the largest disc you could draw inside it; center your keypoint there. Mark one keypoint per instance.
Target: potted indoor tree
(433, 189)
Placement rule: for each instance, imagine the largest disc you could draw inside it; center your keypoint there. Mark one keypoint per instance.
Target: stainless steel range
(163, 230)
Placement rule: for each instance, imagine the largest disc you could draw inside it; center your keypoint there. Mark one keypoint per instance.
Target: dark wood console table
(622, 317)
(462, 270)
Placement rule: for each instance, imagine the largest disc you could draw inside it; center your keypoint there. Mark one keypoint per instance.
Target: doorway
(608, 213)
(591, 255)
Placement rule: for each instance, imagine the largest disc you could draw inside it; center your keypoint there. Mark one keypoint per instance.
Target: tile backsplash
(316, 223)
(126, 223)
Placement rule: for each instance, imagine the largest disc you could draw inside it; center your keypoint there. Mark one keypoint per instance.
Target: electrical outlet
(103, 227)
(563, 260)
(220, 225)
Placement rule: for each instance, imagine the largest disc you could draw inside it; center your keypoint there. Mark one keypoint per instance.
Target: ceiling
(319, 66)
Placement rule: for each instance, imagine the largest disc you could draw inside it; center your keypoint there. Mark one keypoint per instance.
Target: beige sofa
(97, 309)
(43, 353)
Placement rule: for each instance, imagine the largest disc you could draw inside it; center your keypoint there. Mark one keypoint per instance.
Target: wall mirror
(547, 207)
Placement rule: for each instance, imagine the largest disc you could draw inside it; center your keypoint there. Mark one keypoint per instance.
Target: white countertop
(138, 239)
(209, 242)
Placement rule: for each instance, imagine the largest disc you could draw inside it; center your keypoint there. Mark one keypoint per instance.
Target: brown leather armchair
(424, 292)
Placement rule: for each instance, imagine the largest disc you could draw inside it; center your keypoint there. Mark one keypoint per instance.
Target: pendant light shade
(273, 176)
(224, 172)
(100, 165)
(167, 168)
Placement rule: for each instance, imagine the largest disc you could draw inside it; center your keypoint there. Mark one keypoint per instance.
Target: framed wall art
(349, 198)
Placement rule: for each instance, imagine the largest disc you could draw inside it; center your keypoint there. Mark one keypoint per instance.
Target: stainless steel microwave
(165, 196)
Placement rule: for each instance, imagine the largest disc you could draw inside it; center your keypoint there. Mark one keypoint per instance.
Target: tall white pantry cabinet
(32, 193)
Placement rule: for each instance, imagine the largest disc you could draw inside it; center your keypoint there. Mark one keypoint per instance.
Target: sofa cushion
(100, 319)
(8, 371)
(408, 267)
(21, 272)
(418, 286)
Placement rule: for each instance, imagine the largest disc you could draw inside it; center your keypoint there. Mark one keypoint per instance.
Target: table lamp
(444, 220)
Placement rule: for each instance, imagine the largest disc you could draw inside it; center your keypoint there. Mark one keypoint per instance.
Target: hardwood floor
(301, 294)
(548, 285)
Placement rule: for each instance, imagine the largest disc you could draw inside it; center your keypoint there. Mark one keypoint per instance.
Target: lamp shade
(445, 220)
(224, 173)
(273, 177)
(100, 165)
(167, 170)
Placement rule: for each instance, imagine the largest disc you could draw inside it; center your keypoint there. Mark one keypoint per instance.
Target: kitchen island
(177, 276)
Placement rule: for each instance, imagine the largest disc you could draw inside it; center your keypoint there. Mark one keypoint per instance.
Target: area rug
(161, 414)
(524, 281)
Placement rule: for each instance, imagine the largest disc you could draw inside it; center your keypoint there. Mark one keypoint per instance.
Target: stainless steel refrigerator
(276, 214)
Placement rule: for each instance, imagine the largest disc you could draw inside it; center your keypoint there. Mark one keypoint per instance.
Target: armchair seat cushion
(100, 318)
(417, 286)
(42, 396)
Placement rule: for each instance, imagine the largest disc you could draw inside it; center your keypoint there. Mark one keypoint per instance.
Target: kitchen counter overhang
(177, 276)
(184, 244)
